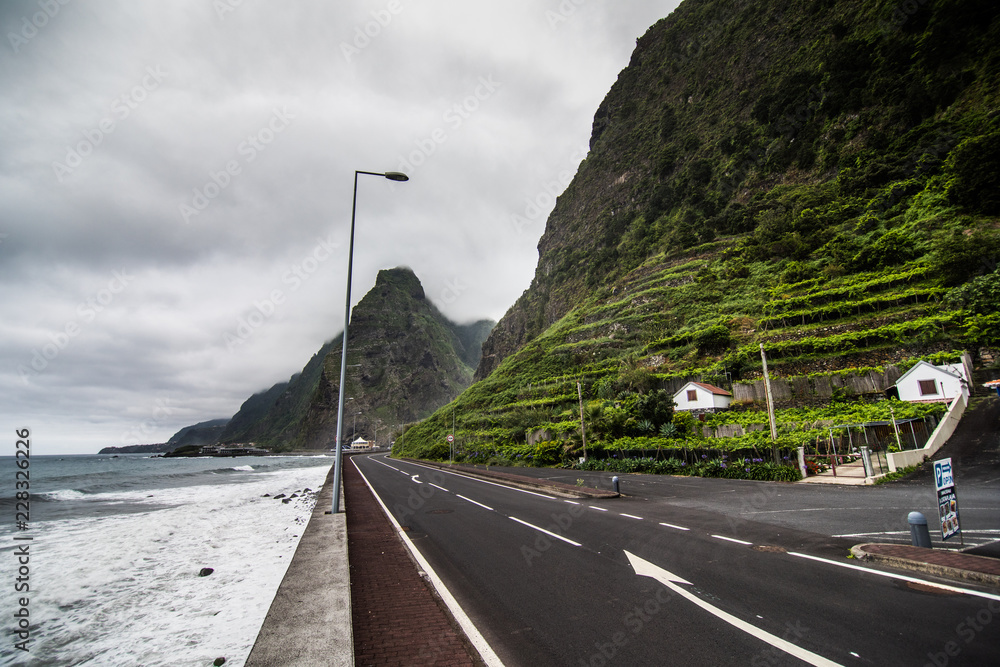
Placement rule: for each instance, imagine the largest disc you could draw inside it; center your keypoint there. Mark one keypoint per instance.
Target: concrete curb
(526, 483)
(934, 569)
(309, 621)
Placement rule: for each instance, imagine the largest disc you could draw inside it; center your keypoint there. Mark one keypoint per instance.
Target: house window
(692, 395)
(928, 388)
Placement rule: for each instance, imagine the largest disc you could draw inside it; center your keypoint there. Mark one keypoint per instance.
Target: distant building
(361, 445)
(926, 383)
(699, 397)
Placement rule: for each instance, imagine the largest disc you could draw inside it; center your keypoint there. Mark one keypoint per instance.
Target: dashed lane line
(670, 525)
(631, 516)
(547, 532)
(599, 509)
(732, 539)
(475, 502)
(475, 479)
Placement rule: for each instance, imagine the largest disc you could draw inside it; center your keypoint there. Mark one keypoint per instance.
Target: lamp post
(392, 176)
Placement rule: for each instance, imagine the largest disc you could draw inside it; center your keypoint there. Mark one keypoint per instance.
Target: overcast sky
(176, 181)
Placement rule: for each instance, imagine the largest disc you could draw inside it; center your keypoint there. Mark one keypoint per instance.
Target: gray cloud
(208, 157)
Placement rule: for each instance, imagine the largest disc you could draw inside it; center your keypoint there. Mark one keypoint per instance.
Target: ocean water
(118, 543)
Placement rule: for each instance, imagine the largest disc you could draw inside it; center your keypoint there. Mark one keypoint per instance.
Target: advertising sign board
(944, 481)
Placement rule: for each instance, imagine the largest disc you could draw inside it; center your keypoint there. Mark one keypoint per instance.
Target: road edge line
(476, 638)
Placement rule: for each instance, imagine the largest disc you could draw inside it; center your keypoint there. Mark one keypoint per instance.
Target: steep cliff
(405, 359)
(792, 122)
(818, 177)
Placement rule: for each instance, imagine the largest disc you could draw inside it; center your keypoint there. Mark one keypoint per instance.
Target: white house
(927, 383)
(701, 397)
(361, 445)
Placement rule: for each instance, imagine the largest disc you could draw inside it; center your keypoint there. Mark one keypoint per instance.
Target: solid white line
(644, 568)
(475, 638)
(438, 487)
(631, 516)
(558, 537)
(901, 577)
(599, 509)
(731, 539)
(670, 525)
(475, 479)
(474, 502)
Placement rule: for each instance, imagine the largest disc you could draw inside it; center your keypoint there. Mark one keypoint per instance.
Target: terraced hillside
(818, 177)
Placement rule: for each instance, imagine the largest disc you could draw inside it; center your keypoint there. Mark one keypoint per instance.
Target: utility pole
(770, 405)
(583, 436)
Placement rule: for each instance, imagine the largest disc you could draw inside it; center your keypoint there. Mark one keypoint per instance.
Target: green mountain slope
(820, 177)
(405, 359)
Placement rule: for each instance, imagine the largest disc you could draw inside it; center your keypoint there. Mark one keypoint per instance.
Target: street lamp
(392, 176)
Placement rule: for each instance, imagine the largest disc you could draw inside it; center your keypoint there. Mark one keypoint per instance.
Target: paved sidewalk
(397, 618)
(937, 562)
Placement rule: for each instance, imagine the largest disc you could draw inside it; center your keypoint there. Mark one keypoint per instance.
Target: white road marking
(901, 577)
(547, 532)
(414, 478)
(670, 525)
(471, 631)
(474, 502)
(599, 509)
(387, 465)
(631, 516)
(644, 568)
(438, 487)
(571, 502)
(732, 539)
(476, 479)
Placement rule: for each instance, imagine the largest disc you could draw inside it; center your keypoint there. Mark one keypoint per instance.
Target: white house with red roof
(702, 397)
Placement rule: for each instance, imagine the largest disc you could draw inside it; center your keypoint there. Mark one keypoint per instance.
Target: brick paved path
(397, 619)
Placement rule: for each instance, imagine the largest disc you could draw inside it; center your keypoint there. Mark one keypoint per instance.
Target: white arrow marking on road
(414, 478)
(644, 568)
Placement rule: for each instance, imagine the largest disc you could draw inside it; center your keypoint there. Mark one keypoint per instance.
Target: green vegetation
(807, 176)
(899, 474)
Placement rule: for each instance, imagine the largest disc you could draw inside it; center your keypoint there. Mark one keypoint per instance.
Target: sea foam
(125, 589)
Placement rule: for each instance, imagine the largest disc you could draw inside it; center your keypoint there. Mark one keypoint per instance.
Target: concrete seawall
(309, 621)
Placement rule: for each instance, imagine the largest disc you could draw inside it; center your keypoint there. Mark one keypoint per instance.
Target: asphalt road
(653, 580)
(860, 513)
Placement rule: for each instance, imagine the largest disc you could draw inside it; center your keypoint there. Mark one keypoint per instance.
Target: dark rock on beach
(205, 571)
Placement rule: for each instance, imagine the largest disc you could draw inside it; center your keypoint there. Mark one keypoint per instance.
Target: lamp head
(396, 176)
